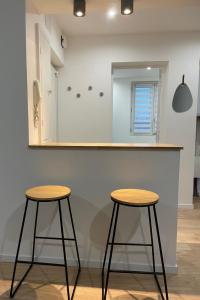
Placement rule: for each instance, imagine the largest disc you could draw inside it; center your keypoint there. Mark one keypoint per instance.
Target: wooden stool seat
(48, 193)
(134, 197)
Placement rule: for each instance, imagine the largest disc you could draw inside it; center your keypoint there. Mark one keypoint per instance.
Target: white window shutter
(144, 108)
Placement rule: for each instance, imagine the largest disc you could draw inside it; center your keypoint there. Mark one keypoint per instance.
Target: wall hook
(183, 79)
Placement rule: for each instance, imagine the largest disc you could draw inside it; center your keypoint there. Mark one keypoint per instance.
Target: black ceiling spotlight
(126, 7)
(79, 8)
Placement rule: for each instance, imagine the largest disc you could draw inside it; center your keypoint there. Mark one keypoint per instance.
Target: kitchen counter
(113, 146)
(93, 171)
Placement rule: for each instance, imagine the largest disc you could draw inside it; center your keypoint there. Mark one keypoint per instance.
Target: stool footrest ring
(53, 238)
(40, 263)
(130, 244)
(136, 272)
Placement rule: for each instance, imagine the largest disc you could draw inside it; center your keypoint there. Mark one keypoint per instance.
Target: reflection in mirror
(127, 113)
(86, 97)
(101, 94)
(182, 100)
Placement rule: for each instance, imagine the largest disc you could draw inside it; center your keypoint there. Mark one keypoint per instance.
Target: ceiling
(149, 16)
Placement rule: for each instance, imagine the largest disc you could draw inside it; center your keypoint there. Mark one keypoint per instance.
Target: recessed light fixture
(148, 68)
(126, 7)
(79, 8)
(111, 13)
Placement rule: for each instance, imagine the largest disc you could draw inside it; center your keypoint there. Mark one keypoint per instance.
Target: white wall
(92, 174)
(55, 40)
(87, 119)
(32, 71)
(53, 34)
(88, 61)
(122, 93)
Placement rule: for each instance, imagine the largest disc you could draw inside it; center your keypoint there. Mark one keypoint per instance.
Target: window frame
(155, 103)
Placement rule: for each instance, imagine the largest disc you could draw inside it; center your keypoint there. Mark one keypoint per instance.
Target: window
(144, 108)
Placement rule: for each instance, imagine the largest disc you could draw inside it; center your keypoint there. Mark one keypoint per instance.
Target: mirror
(127, 111)
(86, 94)
(182, 100)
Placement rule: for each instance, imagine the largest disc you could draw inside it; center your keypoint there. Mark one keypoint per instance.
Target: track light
(126, 7)
(79, 8)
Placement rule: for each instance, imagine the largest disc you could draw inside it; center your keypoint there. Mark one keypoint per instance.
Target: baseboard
(93, 264)
(187, 206)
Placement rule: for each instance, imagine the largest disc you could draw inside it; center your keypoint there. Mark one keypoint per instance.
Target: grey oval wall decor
(90, 88)
(182, 100)
(78, 95)
(69, 88)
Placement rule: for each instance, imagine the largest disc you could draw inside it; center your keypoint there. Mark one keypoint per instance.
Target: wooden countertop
(111, 146)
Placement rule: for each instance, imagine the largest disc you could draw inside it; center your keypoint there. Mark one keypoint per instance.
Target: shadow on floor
(130, 296)
(32, 292)
(49, 279)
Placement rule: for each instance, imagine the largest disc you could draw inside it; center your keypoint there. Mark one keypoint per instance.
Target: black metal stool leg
(35, 229)
(152, 242)
(12, 293)
(76, 245)
(107, 244)
(64, 251)
(74, 233)
(161, 254)
(111, 251)
(153, 254)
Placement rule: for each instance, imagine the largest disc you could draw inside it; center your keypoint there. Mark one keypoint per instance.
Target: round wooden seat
(48, 193)
(134, 197)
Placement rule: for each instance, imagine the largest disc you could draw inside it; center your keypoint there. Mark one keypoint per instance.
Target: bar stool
(46, 194)
(133, 198)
